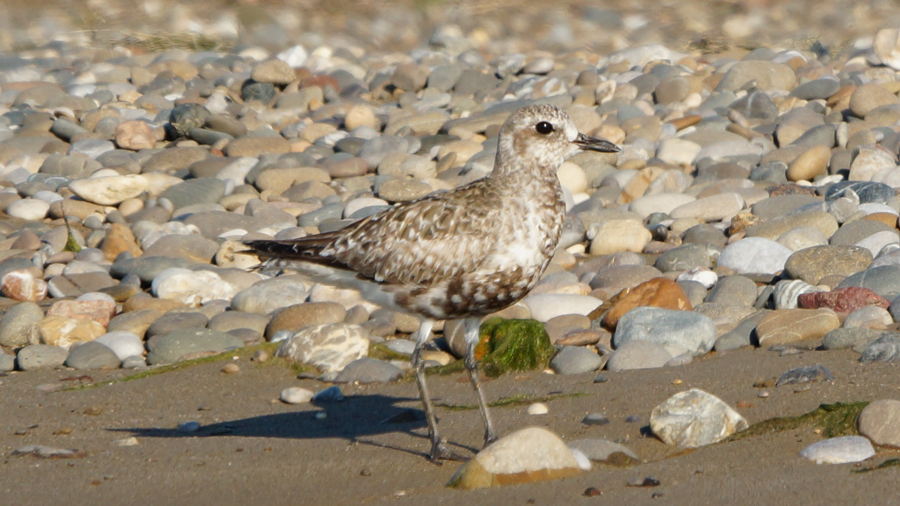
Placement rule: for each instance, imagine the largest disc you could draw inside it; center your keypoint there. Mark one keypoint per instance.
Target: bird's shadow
(356, 419)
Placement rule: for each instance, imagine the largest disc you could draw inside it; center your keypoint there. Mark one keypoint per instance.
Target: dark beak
(595, 144)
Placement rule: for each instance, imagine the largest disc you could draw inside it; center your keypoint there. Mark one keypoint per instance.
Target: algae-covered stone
(513, 345)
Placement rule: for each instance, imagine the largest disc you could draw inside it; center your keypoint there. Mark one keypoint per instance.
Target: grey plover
(460, 254)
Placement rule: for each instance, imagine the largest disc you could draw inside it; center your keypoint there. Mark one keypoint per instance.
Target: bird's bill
(594, 144)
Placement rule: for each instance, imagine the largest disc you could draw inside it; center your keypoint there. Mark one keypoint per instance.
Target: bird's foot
(439, 452)
(489, 439)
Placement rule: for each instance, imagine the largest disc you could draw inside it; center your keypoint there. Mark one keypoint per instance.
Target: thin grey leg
(439, 450)
(473, 326)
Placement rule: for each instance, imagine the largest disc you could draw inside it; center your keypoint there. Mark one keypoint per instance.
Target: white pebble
(28, 209)
(538, 408)
(296, 395)
(129, 441)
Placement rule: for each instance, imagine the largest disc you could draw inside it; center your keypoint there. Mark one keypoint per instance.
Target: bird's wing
(419, 243)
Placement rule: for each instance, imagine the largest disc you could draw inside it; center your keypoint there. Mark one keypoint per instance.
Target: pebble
(181, 344)
(48, 452)
(879, 422)
(545, 307)
(538, 408)
(527, 455)
(575, 360)
(598, 419)
(189, 427)
(787, 326)
(884, 349)
(638, 354)
(850, 338)
(755, 255)
(92, 355)
(839, 450)
(682, 330)
(38, 356)
(18, 323)
(191, 288)
(805, 375)
(296, 395)
(368, 370)
(694, 418)
(329, 347)
(330, 394)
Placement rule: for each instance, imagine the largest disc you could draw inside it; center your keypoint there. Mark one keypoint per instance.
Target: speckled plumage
(464, 253)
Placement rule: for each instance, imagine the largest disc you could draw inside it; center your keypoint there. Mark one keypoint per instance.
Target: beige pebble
(538, 408)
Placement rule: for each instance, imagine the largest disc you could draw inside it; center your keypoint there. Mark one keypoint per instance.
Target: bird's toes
(440, 452)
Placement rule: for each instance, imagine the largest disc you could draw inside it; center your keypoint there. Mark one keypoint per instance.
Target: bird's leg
(439, 450)
(473, 327)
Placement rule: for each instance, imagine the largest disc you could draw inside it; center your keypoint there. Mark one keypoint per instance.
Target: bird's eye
(543, 128)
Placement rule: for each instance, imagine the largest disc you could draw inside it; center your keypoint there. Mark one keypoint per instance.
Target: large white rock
(694, 418)
(328, 347)
(528, 455)
(111, 190)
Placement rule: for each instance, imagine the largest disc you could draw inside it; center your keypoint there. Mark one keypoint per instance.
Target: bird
(458, 254)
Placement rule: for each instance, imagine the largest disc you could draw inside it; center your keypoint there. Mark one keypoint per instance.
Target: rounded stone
(754, 255)
(18, 323)
(684, 330)
(39, 356)
(575, 360)
(839, 450)
(811, 163)
(92, 355)
(880, 422)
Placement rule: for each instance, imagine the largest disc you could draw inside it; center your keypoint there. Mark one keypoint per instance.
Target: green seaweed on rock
(507, 345)
(513, 345)
(838, 419)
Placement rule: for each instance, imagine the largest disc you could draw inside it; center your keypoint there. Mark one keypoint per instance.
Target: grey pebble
(368, 370)
(805, 375)
(92, 355)
(173, 346)
(39, 356)
(575, 360)
(595, 419)
(884, 349)
(330, 394)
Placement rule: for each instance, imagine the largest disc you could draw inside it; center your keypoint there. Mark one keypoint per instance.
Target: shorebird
(460, 254)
